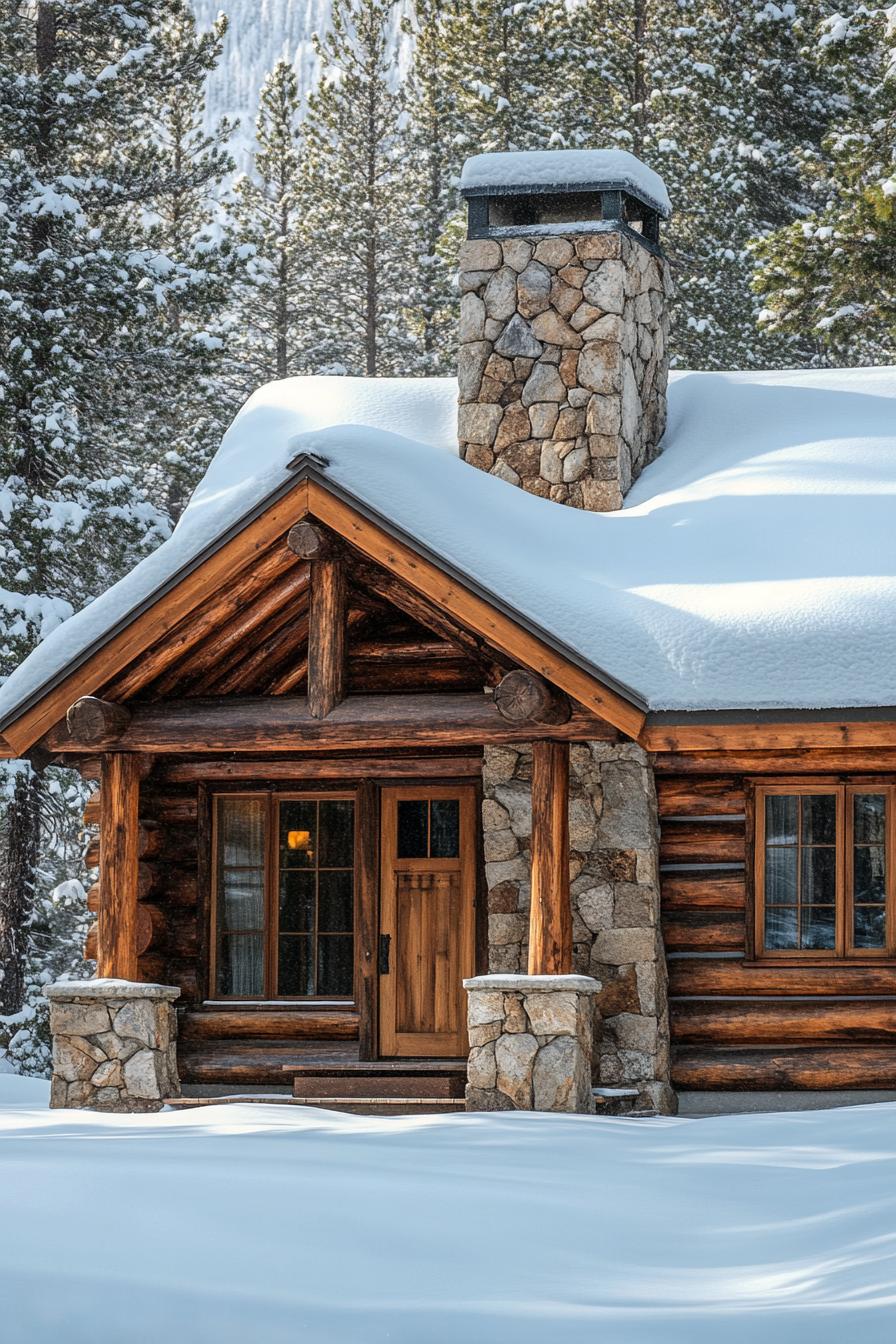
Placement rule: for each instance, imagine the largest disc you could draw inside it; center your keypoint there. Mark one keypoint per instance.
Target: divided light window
(824, 876)
(283, 906)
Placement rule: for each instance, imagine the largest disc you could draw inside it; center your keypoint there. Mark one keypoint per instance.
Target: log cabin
(564, 667)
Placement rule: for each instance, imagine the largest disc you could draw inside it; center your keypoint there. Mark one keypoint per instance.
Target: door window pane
(444, 827)
(413, 828)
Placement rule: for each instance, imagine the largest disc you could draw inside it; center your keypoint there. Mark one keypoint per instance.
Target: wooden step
(382, 1085)
(352, 1105)
(247, 1062)
(309, 1065)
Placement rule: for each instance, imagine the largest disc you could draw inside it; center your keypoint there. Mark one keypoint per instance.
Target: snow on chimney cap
(565, 170)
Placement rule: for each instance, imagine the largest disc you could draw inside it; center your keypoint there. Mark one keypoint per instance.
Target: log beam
(361, 722)
(117, 929)
(550, 917)
(95, 721)
(326, 637)
(309, 541)
(523, 697)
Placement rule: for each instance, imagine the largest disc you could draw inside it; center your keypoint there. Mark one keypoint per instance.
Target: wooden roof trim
(772, 735)
(473, 611)
(186, 591)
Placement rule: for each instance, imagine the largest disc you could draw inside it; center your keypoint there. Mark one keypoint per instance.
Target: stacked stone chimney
(563, 358)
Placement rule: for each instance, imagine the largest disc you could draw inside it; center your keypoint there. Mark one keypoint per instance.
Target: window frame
(844, 951)
(271, 906)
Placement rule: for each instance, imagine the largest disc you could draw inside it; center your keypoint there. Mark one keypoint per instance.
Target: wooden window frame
(271, 931)
(844, 951)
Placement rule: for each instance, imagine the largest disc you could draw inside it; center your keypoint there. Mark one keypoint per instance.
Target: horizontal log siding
(746, 1026)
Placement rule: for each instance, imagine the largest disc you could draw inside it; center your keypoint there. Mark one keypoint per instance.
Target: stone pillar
(615, 893)
(114, 1045)
(531, 1041)
(562, 362)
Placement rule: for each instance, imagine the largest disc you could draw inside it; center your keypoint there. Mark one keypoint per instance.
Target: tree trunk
(17, 892)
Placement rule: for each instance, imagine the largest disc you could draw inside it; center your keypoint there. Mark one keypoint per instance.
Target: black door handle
(385, 941)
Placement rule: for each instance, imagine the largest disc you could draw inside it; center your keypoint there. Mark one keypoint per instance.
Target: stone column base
(531, 1042)
(114, 1045)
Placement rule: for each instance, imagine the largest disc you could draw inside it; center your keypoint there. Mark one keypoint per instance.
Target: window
(823, 871)
(283, 906)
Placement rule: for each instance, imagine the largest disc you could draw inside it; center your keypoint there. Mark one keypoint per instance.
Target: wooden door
(427, 918)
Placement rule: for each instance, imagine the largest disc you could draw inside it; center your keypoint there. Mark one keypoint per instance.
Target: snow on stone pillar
(114, 1045)
(563, 363)
(531, 1042)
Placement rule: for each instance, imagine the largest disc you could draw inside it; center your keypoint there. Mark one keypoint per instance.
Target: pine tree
(434, 168)
(176, 173)
(84, 318)
(358, 232)
(830, 276)
(272, 299)
(723, 99)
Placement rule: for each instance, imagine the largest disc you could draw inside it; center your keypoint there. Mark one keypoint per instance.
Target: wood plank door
(427, 918)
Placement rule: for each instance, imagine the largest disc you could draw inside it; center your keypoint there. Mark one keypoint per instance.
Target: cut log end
(308, 541)
(523, 697)
(96, 721)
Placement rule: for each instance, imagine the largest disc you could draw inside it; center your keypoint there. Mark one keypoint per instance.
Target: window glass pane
(412, 828)
(780, 819)
(240, 965)
(298, 833)
(817, 927)
(869, 811)
(334, 910)
(241, 899)
(334, 965)
(781, 927)
(296, 973)
(819, 876)
(336, 833)
(296, 902)
(780, 876)
(444, 821)
(819, 819)
(869, 926)
(869, 882)
(241, 832)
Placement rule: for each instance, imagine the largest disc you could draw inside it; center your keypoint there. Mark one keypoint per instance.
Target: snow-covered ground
(269, 1224)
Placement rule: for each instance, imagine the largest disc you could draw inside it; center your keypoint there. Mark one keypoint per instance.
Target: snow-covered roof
(537, 169)
(752, 567)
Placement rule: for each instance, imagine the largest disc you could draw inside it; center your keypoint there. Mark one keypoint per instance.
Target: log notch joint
(523, 697)
(550, 917)
(327, 617)
(94, 721)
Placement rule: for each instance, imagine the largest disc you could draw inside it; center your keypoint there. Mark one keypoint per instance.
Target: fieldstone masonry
(531, 1042)
(114, 1045)
(614, 869)
(563, 363)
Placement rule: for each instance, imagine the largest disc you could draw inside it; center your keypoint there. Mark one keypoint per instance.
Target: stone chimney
(563, 362)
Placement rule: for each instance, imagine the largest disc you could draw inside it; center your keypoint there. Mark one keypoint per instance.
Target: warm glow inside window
(823, 877)
(284, 896)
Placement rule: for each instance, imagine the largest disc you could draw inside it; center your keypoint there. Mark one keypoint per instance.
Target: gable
(251, 594)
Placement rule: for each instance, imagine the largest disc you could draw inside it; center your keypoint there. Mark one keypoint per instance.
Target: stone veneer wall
(114, 1045)
(614, 868)
(563, 364)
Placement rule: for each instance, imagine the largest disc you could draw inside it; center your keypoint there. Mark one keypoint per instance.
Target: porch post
(550, 915)
(117, 926)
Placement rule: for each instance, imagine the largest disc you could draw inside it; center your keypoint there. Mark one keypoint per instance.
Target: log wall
(740, 1024)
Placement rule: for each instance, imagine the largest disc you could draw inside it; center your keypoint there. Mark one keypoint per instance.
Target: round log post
(523, 697)
(96, 721)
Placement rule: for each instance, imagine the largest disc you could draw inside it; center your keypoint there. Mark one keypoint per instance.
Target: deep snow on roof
(754, 565)
(541, 168)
